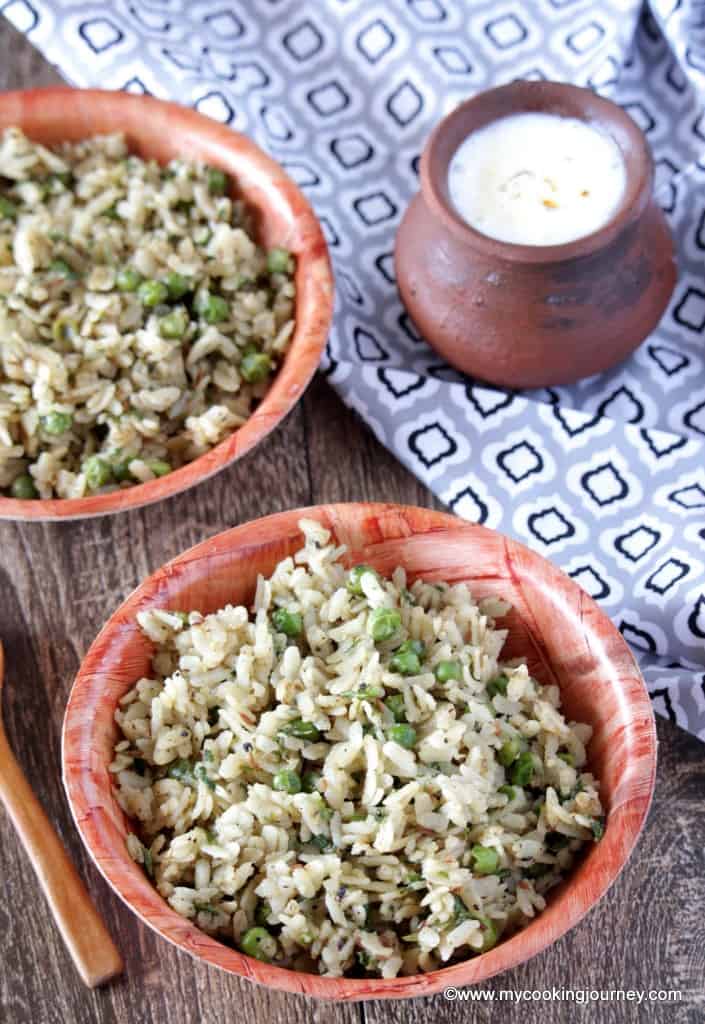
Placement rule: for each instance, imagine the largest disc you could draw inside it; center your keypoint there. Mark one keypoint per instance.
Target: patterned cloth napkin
(606, 477)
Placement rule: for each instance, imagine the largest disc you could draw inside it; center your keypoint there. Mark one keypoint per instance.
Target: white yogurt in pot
(537, 179)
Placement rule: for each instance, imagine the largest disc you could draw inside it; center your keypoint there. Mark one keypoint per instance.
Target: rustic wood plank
(21, 66)
(58, 584)
(347, 462)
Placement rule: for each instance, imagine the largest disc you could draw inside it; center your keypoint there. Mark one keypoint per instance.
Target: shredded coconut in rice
(140, 324)
(347, 779)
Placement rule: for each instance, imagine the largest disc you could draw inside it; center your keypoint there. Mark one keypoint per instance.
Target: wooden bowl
(526, 316)
(560, 630)
(160, 131)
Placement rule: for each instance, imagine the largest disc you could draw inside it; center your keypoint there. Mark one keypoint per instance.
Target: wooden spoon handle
(82, 929)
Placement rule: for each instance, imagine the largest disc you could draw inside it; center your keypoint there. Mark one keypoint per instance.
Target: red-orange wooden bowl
(160, 131)
(561, 631)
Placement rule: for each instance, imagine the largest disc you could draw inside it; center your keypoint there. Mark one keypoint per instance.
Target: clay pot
(532, 316)
(160, 131)
(564, 636)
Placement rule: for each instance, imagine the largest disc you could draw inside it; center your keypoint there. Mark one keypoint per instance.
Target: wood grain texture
(86, 937)
(161, 131)
(58, 585)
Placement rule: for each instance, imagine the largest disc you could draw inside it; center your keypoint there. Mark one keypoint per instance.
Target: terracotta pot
(563, 634)
(532, 316)
(160, 131)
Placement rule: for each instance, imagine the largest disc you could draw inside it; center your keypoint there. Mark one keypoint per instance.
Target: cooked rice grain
(390, 858)
(88, 368)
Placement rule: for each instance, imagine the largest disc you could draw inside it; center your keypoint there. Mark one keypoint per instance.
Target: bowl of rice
(359, 751)
(165, 296)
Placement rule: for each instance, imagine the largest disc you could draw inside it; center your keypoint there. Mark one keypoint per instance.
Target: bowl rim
(88, 815)
(313, 310)
(520, 96)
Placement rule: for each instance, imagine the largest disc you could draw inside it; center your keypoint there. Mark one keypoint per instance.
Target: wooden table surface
(58, 584)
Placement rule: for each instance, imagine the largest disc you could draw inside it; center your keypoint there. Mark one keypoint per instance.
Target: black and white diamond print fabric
(606, 477)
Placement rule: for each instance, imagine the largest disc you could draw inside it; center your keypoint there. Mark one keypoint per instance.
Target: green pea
(485, 860)
(62, 269)
(447, 670)
(417, 647)
(159, 467)
(255, 367)
(508, 791)
(262, 913)
(567, 757)
(354, 580)
(56, 422)
(488, 930)
(128, 279)
(406, 663)
(290, 623)
(397, 705)
(152, 293)
(278, 261)
(177, 285)
(111, 213)
(522, 769)
(301, 730)
(287, 781)
(259, 943)
(213, 308)
(98, 472)
(403, 734)
(383, 624)
(64, 329)
(498, 685)
(8, 210)
(23, 487)
(509, 751)
(174, 324)
(218, 181)
(309, 782)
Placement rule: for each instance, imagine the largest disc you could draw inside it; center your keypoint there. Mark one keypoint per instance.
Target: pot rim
(523, 96)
